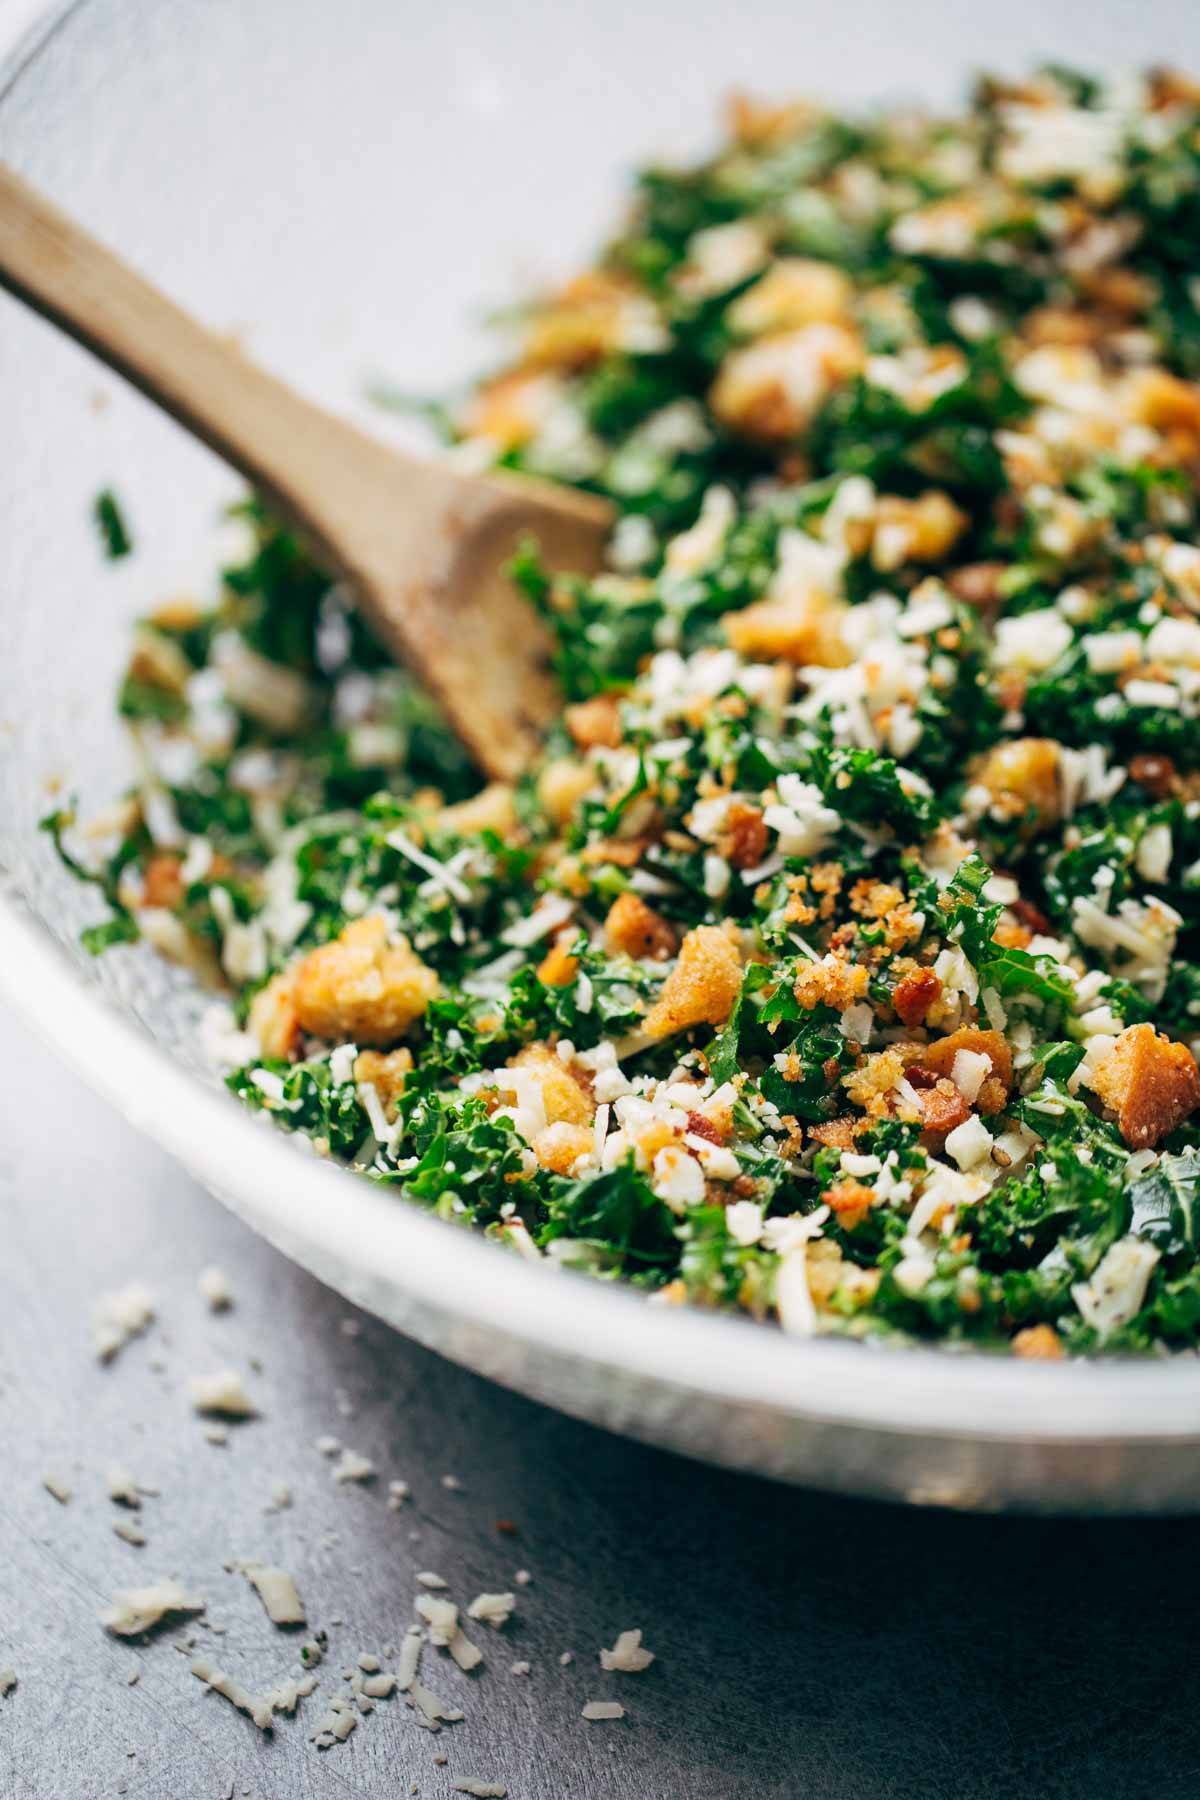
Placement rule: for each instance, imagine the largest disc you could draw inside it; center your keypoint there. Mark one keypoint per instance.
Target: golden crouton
(492, 809)
(595, 723)
(509, 409)
(565, 1099)
(938, 1059)
(558, 967)
(772, 390)
(924, 530)
(561, 786)
(1165, 402)
(765, 123)
(272, 1019)
(1039, 1342)
(701, 988)
(560, 1146)
(637, 929)
(803, 629)
(795, 291)
(1022, 777)
(362, 987)
(1151, 1083)
(386, 1073)
(584, 322)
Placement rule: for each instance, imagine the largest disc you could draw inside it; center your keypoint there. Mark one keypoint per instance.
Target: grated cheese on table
(627, 1654)
(213, 1286)
(122, 1486)
(602, 1709)
(135, 1610)
(352, 1467)
(119, 1317)
(277, 1590)
(222, 1394)
(494, 1609)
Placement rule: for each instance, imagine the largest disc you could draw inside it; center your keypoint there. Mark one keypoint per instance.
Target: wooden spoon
(422, 544)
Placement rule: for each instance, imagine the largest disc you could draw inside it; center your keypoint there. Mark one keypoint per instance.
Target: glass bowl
(352, 188)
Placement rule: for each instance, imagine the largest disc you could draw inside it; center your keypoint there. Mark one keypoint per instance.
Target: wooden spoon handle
(420, 541)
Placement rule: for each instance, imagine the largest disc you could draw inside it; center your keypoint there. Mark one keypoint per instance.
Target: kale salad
(839, 961)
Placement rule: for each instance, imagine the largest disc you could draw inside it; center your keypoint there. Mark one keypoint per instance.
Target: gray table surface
(807, 1646)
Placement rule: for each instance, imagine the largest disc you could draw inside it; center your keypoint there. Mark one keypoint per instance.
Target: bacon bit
(1041, 1343)
(943, 1109)
(1151, 1083)
(1157, 775)
(701, 1126)
(508, 1528)
(638, 930)
(558, 968)
(850, 1201)
(743, 838)
(162, 882)
(914, 994)
(595, 724)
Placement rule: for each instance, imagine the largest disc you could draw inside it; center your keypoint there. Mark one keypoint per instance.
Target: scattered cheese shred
(278, 1592)
(627, 1654)
(494, 1609)
(352, 1467)
(213, 1286)
(222, 1394)
(121, 1485)
(135, 1610)
(119, 1317)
